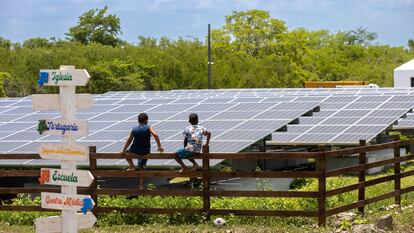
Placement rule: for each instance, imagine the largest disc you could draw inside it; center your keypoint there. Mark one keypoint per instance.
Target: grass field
(403, 223)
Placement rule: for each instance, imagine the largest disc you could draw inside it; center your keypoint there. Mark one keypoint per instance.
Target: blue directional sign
(43, 78)
(87, 205)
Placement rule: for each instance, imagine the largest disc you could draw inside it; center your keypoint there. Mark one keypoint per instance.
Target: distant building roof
(406, 66)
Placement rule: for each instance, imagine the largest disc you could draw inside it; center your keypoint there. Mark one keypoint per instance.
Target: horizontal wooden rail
(150, 210)
(37, 190)
(368, 183)
(19, 173)
(232, 193)
(25, 208)
(407, 190)
(265, 174)
(362, 167)
(362, 149)
(156, 192)
(20, 156)
(18, 190)
(242, 155)
(146, 173)
(361, 203)
(265, 155)
(279, 213)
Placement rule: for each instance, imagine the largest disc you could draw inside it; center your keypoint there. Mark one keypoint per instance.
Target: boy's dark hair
(142, 118)
(193, 118)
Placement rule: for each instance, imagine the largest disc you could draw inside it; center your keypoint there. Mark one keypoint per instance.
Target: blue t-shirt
(142, 140)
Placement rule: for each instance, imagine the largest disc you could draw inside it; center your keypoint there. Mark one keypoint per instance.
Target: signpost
(59, 201)
(63, 77)
(51, 101)
(54, 224)
(63, 127)
(73, 152)
(61, 177)
(67, 77)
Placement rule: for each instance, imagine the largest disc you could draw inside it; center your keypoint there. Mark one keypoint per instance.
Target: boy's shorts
(141, 163)
(182, 153)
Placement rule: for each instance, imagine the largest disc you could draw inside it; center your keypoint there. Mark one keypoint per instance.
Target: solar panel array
(235, 122)
(405, 123)
(345, 120)
(236, 117)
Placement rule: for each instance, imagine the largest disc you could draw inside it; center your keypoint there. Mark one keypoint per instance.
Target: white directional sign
(59, 201)
(51, 102)
(69, 77)
(63, 127)
(54, 224)
(73, 152)
(63, 177)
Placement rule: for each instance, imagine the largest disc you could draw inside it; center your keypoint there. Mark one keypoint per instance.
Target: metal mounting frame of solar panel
(406, 123)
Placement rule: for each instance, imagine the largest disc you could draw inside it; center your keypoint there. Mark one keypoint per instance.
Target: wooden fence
(321, 173)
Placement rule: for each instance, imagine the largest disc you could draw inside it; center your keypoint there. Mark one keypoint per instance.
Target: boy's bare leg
(179, 161)
(131, 165)
(195, 165)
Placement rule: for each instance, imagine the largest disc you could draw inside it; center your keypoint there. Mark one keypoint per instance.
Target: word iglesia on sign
(74, 77)
(59, 76)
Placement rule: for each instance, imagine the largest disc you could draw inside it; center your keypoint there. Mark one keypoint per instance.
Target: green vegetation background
(251, 50)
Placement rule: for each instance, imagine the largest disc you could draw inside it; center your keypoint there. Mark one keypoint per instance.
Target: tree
(360, 36)
(411, 45)
(118, 75)
(37, 42)
(5, 43)
(96, 26)
(253, 30)
(3, 76)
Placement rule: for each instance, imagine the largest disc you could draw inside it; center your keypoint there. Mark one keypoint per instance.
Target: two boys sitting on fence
(140, 137)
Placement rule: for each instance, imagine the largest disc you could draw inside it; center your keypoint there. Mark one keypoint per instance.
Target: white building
(404, 75)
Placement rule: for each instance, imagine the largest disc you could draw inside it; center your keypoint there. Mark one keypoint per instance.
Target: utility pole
(209, 58)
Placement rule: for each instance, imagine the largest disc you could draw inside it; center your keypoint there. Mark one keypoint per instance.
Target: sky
(392, 20)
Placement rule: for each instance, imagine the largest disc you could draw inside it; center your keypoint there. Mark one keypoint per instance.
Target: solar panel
(233, 115)
(364, 117)
(340, 121)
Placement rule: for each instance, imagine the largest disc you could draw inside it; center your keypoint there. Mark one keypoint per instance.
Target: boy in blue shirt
(193, 139)
(141, 141)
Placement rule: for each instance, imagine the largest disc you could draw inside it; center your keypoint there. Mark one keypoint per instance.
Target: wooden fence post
(206, 182)
(94, 185)
(397, 171)
(321, 162)
(361, 191)
(141, 184)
